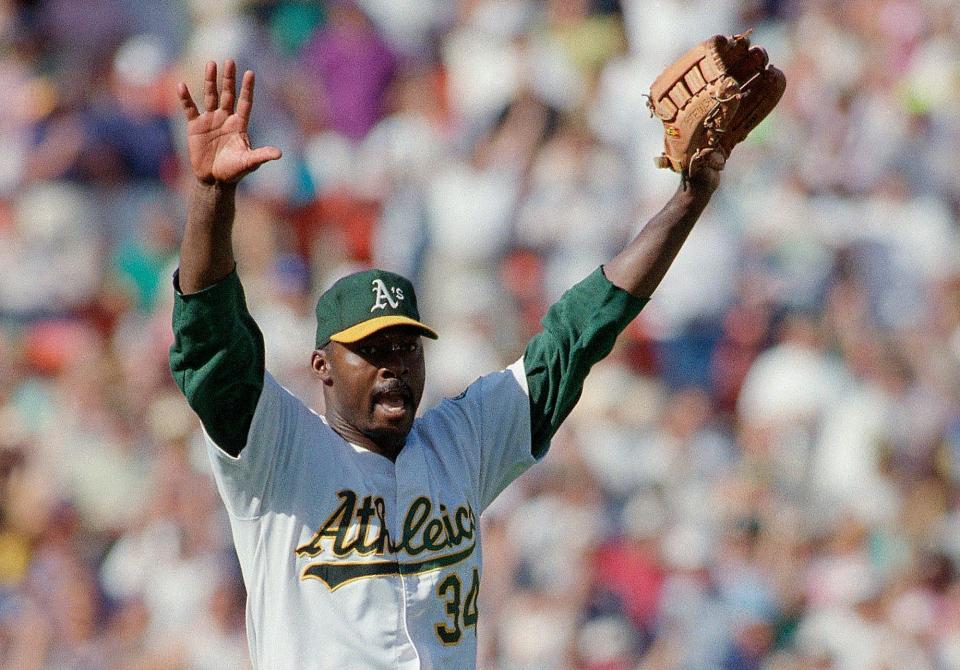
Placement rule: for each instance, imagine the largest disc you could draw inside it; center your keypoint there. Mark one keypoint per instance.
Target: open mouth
(394, 402)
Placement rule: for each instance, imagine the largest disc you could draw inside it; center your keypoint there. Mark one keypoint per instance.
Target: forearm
(217, 359)
(640, 267)
(579, 330)
(206, 253)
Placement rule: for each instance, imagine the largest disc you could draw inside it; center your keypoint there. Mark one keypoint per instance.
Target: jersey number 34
(465, 611)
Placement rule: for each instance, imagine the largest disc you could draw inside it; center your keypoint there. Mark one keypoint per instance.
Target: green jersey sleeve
(578, 331)
(217, 359)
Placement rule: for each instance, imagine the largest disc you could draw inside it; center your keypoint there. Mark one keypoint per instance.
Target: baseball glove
(712, 97)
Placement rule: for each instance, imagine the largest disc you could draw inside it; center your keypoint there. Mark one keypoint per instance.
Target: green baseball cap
(362, 303)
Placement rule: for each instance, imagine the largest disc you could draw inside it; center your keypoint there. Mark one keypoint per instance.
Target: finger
(715, 160)
(245, 104)
(189, 106)
(210, 87)
(258, 157)
(229, 89)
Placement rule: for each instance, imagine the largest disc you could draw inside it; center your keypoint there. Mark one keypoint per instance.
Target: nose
(394, 362)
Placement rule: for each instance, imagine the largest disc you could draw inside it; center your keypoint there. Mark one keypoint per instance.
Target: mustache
(394, 386)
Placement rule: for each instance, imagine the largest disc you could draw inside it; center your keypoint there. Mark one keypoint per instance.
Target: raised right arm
(217, 357)
(220, 155)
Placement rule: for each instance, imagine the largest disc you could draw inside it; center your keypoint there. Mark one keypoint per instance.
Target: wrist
(693, 193)
(214, 189)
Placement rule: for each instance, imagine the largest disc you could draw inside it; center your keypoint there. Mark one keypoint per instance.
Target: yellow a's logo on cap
(385, 297)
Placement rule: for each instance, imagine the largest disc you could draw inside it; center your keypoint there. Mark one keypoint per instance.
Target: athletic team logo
(433, 538)
(386, 297)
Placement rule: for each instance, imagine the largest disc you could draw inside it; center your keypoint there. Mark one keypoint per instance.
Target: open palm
(217, 140)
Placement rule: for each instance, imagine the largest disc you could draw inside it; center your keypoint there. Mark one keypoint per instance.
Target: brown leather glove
(712, 97)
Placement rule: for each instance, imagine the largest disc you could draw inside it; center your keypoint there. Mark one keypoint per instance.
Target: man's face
(373, 387)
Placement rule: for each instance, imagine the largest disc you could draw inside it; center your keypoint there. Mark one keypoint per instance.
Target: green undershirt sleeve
(578, 331)
(217, 359)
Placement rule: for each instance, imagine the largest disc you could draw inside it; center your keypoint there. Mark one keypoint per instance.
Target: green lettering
(432, 534)
(453, 537)
(382, 543)
(365, 512)
(335, 526)
(458, 517)
(417, 515)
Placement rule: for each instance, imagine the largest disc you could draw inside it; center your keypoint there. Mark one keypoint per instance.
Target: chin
(392, 436)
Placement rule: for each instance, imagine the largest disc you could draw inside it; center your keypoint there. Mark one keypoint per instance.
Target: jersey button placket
(407, 655)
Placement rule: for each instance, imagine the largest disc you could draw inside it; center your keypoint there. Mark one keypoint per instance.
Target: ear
(320, 362)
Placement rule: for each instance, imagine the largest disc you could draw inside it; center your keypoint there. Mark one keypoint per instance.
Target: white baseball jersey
(353, 561)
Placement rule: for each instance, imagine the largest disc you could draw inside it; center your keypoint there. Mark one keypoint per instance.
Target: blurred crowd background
(764, 475)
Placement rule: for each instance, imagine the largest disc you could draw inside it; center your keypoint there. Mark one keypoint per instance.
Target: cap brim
(362, 330)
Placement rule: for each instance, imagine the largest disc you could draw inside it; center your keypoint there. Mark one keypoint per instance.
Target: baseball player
(358, 532)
